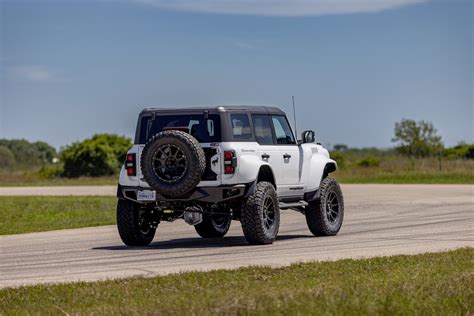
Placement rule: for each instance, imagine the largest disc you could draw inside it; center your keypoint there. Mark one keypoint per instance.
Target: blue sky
(69, 69)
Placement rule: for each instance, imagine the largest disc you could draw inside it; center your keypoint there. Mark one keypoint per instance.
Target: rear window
(205, 130)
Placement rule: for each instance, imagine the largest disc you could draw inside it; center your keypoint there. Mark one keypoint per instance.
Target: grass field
(385, 177)
(33, 214)
(430, 284)
(399, 170)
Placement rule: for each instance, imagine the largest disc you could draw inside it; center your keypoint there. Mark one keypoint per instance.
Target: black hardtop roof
(218, 108)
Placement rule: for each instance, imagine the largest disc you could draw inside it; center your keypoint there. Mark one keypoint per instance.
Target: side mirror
(307, 137)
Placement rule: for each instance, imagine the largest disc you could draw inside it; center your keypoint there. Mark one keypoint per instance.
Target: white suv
(210, 166)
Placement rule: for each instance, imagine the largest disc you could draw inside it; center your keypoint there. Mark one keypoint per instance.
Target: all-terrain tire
(253, 217)
(128, 224)
(195, 162)
(325, 215)
(213, 226)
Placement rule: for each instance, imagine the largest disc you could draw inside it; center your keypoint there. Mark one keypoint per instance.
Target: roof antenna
(294, 115)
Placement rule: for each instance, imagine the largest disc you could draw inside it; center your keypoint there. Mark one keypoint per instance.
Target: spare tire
(173, 163)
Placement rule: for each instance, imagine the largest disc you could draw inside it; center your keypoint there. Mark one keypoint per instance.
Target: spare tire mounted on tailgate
(173, 163)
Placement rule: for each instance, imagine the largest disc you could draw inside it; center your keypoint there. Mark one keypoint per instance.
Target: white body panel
(294, 176)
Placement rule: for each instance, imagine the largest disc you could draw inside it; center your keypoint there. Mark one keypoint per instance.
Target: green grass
(430, 284)
(400, 170)
(378, 176)
(35, 213)
(32, 178)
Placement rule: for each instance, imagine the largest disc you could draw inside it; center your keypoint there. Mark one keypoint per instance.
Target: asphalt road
(380, 220)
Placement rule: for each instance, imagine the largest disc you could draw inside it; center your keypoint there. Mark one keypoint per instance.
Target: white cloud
(32, 73)
(280, 7)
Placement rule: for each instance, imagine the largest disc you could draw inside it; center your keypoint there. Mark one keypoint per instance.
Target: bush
(369, 162)
(459, 152)
(6, 157)
(338, 157)
(51, 171)
(100, 155)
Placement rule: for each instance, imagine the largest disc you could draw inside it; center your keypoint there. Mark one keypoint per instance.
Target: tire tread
(252, 218)
(315, 213)
(127, 225)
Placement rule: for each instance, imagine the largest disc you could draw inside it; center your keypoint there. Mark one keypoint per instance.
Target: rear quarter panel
(248, 162)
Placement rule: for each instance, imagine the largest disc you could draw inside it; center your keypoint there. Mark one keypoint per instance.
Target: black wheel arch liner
(265, 173)
(328, 168)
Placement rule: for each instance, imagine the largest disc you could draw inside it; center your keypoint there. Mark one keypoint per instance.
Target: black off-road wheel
(260, 216)
(133, 224)
(213, 226)
(325, 215)
(173, 163)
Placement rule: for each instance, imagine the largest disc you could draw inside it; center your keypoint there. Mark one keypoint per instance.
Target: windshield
(205, 130)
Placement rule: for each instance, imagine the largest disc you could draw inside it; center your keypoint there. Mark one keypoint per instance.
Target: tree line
(103, 154)
(100, 155)
(413, 139)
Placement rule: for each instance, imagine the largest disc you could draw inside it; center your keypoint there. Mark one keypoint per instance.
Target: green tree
(417, 139)
(103, 154)
(29, 154)
(461, 151)
(45, 152)
(340, 147)
(6, 157)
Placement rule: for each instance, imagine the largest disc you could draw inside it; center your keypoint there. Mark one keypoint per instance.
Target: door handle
(286, 156)
(265, 156)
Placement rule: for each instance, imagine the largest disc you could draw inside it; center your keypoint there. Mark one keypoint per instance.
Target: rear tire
(325, 215)
(133, 228)
(213, 226)
(260, 216)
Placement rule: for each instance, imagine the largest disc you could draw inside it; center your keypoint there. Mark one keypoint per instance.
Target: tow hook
(193, 215)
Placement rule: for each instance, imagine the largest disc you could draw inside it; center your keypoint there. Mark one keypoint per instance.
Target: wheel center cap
(171, 163)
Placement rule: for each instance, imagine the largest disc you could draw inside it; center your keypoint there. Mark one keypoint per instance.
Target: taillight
(230, 162)
(131, 164)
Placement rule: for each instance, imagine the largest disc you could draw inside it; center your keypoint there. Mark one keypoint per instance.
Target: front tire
(213, 226)
(133, 225)
(260, 216)
(325, 215)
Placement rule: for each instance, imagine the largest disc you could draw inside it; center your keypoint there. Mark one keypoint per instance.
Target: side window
(240, 125)
(263, 129)
(210, 127)
(282, 130)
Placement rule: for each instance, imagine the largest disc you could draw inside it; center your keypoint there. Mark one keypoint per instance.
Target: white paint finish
(303, 169)
(380, 220)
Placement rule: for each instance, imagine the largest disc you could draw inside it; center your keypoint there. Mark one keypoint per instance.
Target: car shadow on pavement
(196, 243)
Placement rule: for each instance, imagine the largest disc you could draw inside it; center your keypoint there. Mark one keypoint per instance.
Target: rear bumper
(214, 194)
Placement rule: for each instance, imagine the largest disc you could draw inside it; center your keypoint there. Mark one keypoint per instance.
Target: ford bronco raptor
(210, 166)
